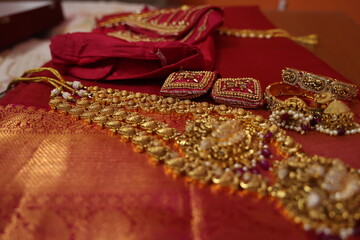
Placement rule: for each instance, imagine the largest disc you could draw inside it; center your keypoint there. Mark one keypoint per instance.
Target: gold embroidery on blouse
(163, 21)
(135, 37)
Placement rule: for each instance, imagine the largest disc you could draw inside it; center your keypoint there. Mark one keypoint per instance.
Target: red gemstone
(285, 117)
(266, 152)
(314, 121)
(340, 131)
(264, 164)
(239, 171)
(305, 127)
(255, 170)
(268, 135)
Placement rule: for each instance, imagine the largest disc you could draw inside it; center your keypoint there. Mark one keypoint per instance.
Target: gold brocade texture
(63, 179)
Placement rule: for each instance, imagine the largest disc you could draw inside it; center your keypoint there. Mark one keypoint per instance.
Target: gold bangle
(319, 84)
(304, 110)
(278, 89)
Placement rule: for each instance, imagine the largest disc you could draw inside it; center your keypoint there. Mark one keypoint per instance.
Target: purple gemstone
(314, 121)
(268, 135)
(285, 117)
(305, 127)
(266, 152)
(340, 131)
(264, 164)
(255, 170)
(239, 171)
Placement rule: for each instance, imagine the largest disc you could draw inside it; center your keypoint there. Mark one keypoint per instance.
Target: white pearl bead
(327, 231)
(307, 227)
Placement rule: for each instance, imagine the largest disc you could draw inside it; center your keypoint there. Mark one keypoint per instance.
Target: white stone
(282, 173)
(327, 231)
(66, 95)
(82, 93)
(344, 233)
(76, 84)
(307, 227)
(55, 92)
(312, 200)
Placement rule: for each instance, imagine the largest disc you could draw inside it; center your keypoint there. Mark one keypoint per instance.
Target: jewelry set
(225, 146)
(314, 102)
(303, 101)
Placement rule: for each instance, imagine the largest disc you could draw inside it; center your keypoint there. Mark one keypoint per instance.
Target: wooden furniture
(20, 19)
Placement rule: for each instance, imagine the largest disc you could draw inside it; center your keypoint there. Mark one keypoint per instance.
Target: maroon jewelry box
(22, 19)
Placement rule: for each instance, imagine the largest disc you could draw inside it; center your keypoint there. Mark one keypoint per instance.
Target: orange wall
(349, 7)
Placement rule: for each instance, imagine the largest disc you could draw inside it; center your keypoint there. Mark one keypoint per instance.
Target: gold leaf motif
(107, 110)
(88, 115)
(198, 172)
(165, 132)
(113, 124)
(82, 102)
(120, 113)
(100, 119)
(149, 125)
(133, 119)
(76, 111)
(157, 151)
(176, 162)
(55, 101)
(127, 131)
(142, 140)
(64, 106)
(94, 107)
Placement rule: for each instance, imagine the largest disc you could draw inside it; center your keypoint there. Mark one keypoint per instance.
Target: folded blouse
(150, 44)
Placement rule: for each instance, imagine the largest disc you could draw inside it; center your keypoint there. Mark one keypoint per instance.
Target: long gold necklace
(220, 145)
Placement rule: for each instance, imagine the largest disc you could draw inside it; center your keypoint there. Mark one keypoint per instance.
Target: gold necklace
(220, 145)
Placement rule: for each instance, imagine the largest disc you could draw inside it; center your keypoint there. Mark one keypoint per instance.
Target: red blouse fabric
(98, 55)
